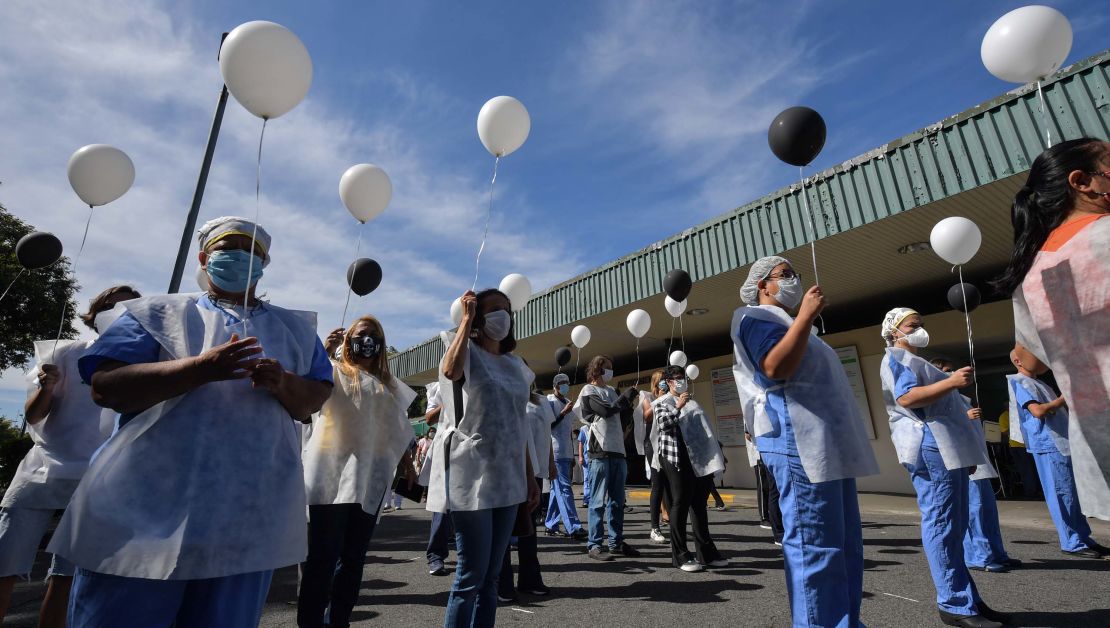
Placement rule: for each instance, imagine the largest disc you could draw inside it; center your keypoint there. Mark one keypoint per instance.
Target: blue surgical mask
(228, 270)
(564, 389)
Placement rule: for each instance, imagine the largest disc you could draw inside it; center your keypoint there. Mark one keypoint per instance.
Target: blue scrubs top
(1038, 440)
(904, 380)
(127, 341)
(583, 434)
(758, 337)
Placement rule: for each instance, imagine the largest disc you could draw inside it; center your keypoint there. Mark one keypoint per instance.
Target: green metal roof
(994, 140)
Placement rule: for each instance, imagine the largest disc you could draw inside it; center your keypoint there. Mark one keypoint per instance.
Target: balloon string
(670, 345)
(970, 340)
(17, 276)
(65, 303)
(813, 238)
(358, 249)
(637, 362)
(489, 211)
(682, 334)
(254, 232)
(577, 354)
(1044, 116)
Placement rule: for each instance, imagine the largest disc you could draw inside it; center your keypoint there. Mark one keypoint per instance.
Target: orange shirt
(1060, 235)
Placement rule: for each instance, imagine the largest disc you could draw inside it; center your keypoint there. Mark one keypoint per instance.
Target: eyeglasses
(1104, 173)
(786, 274)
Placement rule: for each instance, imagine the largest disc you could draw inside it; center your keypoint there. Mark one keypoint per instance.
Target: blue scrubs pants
(983, 541)
(1058, 482)
(607, 477)
(822, 545)
(942, 498)
(560, 507)
(105, 601)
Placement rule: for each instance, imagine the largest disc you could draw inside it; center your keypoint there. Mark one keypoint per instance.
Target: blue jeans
(561, 505)
(1062, 499)
(104, 601)
(586, 484)
(822, 545)
(983, 541)
(440, 537)
(942, 498)
(331, 576)
(607, 476)
(481, 538)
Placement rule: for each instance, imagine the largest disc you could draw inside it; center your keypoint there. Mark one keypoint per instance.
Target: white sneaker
(657, 536)
(765, 526)
(779, 543)
(692, 566)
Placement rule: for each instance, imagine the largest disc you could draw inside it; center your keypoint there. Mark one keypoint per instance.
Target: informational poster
(849, 359)
(730, 416)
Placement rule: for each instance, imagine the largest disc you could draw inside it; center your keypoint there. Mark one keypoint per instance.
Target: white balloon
(693, 371)
(956, 240)
(1027, 44)
(675, 308)
(518, 289)
(366, 191)
(638, 323)
(503, 125)
(678, 358)
(266, 68)
(580, 336)
(100, 173)
(202, 279)
(456, 311)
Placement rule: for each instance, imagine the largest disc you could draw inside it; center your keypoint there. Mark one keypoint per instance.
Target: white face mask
(498, 324)
(103, 320)
(790, 292)
(919, 338)
(680, 386)
(607, 375)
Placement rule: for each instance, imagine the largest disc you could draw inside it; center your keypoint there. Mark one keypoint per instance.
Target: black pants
(659, 497)
(688, 498)
(338, 536)
(717, 501)
(769, 500)
(527, 554)
(441, 534)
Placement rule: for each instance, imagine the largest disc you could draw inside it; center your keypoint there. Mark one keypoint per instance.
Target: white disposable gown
(702, 447)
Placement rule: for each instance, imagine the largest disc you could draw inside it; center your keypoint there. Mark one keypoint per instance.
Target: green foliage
(418, 406)
(13, 447)
(32, 308)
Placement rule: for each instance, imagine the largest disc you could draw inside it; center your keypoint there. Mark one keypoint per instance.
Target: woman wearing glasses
(799, 407)
(1059, 275)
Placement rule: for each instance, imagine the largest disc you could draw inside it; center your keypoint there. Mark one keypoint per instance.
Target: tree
(32, 308)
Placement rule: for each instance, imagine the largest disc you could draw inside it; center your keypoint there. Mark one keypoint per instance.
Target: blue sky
(647, 118)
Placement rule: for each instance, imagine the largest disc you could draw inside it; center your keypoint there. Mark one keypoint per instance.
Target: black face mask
(365, 346)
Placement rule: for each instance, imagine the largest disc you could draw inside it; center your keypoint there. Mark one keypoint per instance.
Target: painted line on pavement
(901, 598)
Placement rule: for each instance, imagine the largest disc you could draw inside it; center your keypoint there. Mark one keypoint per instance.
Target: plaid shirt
(668, 417)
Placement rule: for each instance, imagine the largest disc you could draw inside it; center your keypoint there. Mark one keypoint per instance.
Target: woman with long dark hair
(1059, 275)
(481, 471)
(351, 451)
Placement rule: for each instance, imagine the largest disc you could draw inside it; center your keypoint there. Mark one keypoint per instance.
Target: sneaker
(1086, 552)
(629, 510)
(717, 564)
(436, 568)
(766, 525)
(579, 535)
(553, 532)
(779, 543)
(691, 566)
(1011, 562)
(505, 598)
(397, 507)
(539, 590)
(624, 549)
(596, 554)
(657, 536)
(387, 509)
(720, 508)
(990, 568)
(966, 621)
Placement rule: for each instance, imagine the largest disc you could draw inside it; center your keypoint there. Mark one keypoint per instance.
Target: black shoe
(539, 590)
(1086, 552)
(624, 549)
(1012, 562)
(579, 535)
(1101, 549)
(629, 509)
(993, 615)
(554, 532)
(967, 621)
(506, 598)
(597, 554)
(436, 568)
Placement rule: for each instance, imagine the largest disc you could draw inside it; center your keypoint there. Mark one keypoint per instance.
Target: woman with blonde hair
(351, 452)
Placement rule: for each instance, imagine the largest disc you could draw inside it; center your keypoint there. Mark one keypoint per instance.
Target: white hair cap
(219, 228)
(892, 320)
(749, 292)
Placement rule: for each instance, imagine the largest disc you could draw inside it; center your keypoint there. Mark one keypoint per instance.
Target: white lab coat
(829, 432)
(352, 447)
(65, 440)
(961, 444)
(204, 485)
(540, 417)
(479, 463)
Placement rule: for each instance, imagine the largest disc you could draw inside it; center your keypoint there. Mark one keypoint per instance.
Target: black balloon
(956, 297)
(677, 284)
(797, 135)
(38, 250)
(363, 276)
(562, 356)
